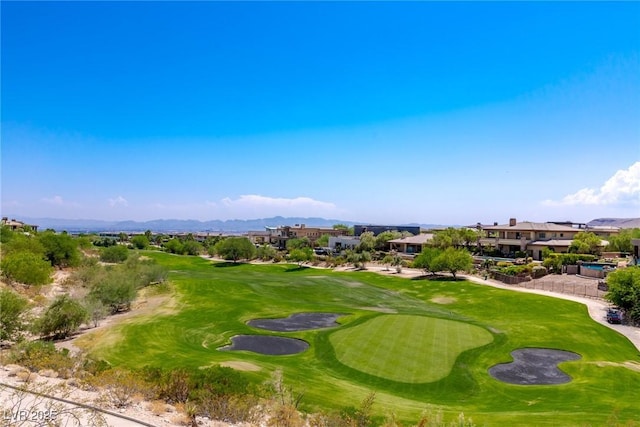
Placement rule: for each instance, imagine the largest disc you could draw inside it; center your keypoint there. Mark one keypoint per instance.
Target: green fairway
(414, 342)
(424, 348)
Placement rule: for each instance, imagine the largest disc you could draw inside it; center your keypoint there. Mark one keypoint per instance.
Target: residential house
(411, 244)
(340, 243)
(14, 224)
(529, 237)
(300, 231)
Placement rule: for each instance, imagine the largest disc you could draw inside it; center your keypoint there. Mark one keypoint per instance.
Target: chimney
(495, 222)
(512, 222)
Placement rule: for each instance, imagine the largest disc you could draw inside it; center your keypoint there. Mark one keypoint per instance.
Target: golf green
(425, 347)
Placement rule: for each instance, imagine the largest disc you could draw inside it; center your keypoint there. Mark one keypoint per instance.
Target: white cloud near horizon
(59, 201)
(118, 201)
(268, 206)
(622, 188)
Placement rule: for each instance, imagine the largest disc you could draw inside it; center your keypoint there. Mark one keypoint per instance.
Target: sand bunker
(534, 366)
(297, 322)
(264, 344)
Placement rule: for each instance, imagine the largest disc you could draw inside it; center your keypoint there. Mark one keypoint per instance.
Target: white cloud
(55, 200)
(622, 188)
(118, 201)
(257, 206)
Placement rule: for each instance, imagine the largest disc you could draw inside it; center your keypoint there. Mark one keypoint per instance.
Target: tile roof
(532, 226)
(420, 239)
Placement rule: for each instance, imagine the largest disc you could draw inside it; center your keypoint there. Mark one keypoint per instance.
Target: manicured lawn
(433, 341)
(426, 347)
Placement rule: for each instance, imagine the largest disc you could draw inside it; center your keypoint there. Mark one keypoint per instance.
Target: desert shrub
(538, 271)
(115, 254)
(12, 315)
(502, 264)
(63, 317)
(120, 386)
(26, 267)
(517, 270)
(39, 355)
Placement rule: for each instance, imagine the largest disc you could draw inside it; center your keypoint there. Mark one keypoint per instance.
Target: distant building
(340, 243)
(411, 244)
(377, 229)
(14, 224)
(278, 236)
(532, 237)
(636, 251)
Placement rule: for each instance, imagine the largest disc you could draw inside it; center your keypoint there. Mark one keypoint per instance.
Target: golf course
(417, 343)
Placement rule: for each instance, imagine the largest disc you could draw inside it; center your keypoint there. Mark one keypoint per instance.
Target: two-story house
(529, 237)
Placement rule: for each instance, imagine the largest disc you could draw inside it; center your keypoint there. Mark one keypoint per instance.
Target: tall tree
(235, 248)
(586, 242)
(453, 260)
(624, 291)
(426, 260)
(382, 239)
(295, 243)
(367, 242)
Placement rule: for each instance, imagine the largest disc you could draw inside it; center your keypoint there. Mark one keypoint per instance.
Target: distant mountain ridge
(186, 225)
(615, 222)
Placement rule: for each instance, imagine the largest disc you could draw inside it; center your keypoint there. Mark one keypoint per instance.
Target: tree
(298, 243)
(60, 249)
(586, 242)
(387, 261)
(266, 252)
(12, 310)
(624, 291)
(96, 310)
(453, 260)
(115, 290)
(426, 260)
(63, 317)
(26, 267)
(235, 248)
(191, 247)
(367, 242)
(323, 241)
(358, 259)
(382, 239)
(140, 242)
(301, 255)
(115, 254)
(174, 246)
(622, 242)
(21, 243)
(349, 230)
(449, 237)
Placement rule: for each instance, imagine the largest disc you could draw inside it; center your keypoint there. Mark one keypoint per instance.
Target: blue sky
(446, 113)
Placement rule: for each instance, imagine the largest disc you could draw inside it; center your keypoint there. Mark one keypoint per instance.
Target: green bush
(115, 254)
(26, 267)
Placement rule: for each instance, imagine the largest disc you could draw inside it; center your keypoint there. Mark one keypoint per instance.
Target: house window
(561, 234)
(542, 235)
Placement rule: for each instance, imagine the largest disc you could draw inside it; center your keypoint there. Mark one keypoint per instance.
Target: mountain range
(188, 225)
(236, 225)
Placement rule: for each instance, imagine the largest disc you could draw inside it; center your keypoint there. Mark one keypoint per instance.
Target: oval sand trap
(264, 344)
(534, 366)
(297, 322)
